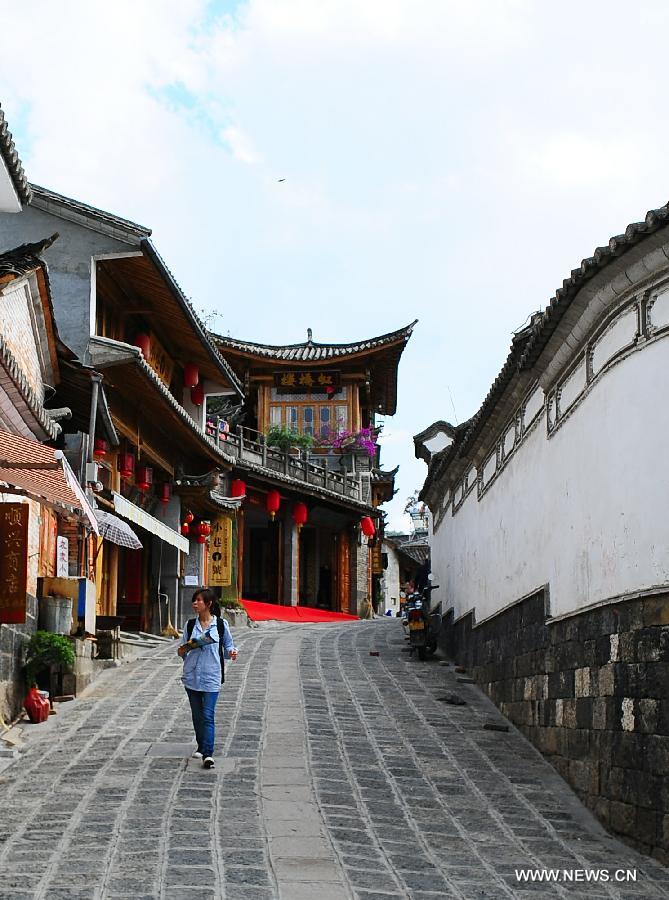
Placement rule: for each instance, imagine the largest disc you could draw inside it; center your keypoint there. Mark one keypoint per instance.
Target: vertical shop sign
(220, 552)
(13, 562)
(62, 557)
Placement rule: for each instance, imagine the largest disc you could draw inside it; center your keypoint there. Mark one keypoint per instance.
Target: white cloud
(446, 160)
(241, 145)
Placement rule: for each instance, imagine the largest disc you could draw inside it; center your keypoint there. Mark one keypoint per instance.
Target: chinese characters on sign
(220, 552)
(13, 562)
(317, 381)
(62, 557)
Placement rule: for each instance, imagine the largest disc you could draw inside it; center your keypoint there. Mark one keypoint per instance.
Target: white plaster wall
(390, 582)
(585, 511)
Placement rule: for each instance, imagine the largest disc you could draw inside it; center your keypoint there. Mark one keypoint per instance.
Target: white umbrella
(117, 531)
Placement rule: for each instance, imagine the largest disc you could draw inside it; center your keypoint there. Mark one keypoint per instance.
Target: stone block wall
(360, 594)
(13, 639)
(592, 694)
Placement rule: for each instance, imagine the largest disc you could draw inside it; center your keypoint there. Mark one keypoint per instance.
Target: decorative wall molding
(637, 321)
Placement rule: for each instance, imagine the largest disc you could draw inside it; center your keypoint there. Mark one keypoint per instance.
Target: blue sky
(442, 161)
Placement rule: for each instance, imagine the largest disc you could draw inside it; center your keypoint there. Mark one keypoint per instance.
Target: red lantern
(185, 530)
(197, 394)
(368, 527)
(100, 447)
(238, 488)
(144, 478)
(191, 375)
(143, 341)
(273, 503)
(188, 518)
(300, 514)
(126, 464)
(165, 492)
(202, 539)
(203, 529)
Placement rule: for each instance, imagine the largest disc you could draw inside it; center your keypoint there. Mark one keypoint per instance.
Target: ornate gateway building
(551, 538)
(308, 467)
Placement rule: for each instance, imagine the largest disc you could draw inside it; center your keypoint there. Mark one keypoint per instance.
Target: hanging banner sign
(220, 552)
(62, 557)
(13, 562)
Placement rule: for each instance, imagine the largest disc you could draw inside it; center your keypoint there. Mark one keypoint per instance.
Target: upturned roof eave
(317, 352)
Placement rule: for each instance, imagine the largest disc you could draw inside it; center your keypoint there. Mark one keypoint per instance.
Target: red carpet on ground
(273, 612)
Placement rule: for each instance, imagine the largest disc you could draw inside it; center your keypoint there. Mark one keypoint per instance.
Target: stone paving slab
(339, 776)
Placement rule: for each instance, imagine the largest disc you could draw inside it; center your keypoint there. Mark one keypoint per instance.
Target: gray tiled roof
(45, 199)
(23, 393)
(310, 351)
(12, 161)
(381, 476)
(590, 266)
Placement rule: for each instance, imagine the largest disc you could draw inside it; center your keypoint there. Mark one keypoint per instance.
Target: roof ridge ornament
(309, 336)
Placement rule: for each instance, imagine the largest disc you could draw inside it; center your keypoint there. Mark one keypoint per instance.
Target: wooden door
(131, 605)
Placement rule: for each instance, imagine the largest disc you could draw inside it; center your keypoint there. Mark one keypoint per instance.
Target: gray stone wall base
(591, 692)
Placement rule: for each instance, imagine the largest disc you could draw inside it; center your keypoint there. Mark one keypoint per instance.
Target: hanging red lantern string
(238, 488)
(203, 529)
(165, 492)
(144, 478)
(300, 514)
(100, 447)
(368, 527)
(126, 464)
(273, 503)
(188, 518)
(185, 530)
(143, 341)
(201, 539)
(197, 394)
(191, 375)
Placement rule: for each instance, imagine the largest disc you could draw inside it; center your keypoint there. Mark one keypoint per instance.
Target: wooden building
(300, 535)
(44, 514)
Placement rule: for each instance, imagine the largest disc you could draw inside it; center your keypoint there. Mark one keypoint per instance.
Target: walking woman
(205, 643)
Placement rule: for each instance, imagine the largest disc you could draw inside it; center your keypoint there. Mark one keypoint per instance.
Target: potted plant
(285, 439)
(47, 652)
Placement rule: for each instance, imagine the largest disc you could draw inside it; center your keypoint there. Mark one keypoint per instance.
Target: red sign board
(13, 562)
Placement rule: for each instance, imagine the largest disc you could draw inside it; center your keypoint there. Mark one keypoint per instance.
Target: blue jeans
(202, 707)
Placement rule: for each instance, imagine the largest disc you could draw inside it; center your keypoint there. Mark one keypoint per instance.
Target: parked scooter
(424, 623)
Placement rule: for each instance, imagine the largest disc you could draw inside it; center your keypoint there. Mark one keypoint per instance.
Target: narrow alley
(339, 774)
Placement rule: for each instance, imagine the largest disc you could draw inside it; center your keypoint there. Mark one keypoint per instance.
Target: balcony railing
(249, 446)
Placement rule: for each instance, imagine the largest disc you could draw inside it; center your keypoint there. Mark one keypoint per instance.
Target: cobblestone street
(339, 775)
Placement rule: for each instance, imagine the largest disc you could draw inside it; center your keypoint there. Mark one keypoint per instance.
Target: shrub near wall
(592, 693)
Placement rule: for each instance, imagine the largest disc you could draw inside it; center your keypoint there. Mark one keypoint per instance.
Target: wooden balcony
(249, 447)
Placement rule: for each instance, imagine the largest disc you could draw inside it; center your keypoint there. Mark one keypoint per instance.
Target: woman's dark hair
(210, 598)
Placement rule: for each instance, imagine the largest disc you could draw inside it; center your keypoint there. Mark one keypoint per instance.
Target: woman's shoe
(208, 762)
